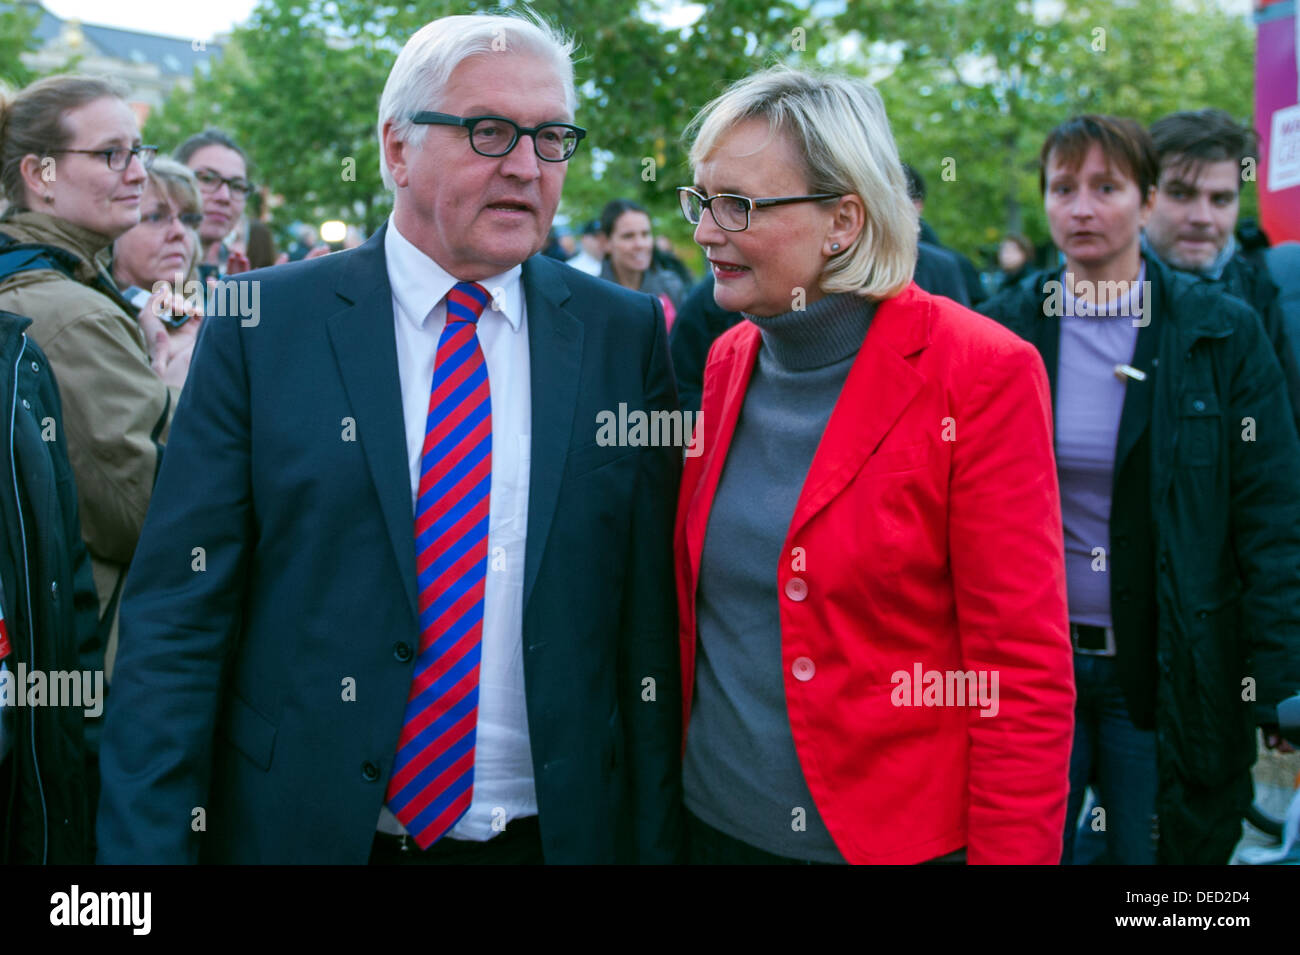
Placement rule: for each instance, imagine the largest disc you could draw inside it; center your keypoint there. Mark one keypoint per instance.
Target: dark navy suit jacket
(228, 737)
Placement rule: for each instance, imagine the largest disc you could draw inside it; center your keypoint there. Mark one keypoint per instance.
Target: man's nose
(1199, 210)
(522, 162)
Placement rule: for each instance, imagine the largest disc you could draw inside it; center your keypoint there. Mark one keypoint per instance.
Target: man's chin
(1190, 259)
(498, 258)
(1189, 263)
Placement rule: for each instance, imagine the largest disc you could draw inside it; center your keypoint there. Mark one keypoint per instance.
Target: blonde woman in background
(164, 246)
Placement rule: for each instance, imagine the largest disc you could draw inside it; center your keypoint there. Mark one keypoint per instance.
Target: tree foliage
(974, 82)
(18, 24)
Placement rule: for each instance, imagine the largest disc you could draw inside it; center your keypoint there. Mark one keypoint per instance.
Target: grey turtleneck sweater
(741, 774)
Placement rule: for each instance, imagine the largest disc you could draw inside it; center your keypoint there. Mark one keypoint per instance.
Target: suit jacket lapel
(365, 347)
(880, 385)
(555, 365)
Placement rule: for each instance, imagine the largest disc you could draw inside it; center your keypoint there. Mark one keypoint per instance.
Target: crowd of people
(954, 569)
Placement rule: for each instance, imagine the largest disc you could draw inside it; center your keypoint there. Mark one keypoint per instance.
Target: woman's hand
(170, 349)
(237, 262)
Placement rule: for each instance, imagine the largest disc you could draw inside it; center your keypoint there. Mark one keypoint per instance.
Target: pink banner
(1277, 117)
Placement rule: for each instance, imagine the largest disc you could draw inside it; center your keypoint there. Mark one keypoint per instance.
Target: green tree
(977, 85)
(971, 86)
(17, 36)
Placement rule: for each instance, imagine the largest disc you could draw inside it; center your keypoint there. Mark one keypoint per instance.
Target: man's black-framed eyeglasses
(118, 158)
(495, 136)
(731, 212)
(210, 181)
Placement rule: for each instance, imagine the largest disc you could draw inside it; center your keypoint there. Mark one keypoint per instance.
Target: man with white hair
(395, 601)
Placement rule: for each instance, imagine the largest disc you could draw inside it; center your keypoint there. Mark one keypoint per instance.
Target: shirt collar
(419, 283)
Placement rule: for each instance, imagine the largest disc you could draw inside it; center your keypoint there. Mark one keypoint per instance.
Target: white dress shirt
(503, 767)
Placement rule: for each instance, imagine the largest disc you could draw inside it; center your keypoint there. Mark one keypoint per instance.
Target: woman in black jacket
(48, 752)
(1178, 460)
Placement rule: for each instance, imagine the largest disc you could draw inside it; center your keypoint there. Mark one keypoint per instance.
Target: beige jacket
(116, 410)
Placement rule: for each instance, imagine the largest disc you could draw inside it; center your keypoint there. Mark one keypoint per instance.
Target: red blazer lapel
(725, 382)
(880, 385)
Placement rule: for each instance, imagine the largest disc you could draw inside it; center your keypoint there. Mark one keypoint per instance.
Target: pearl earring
(835, 246)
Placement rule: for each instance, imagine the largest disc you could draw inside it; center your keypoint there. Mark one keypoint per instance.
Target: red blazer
(927, 535)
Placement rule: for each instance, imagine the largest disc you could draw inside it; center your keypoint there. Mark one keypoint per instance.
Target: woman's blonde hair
(177, 183)
(838, 125)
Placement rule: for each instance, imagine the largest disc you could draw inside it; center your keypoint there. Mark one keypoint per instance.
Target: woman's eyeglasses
(118, 159)
(731, 212)
(191, 220)
(210, 181)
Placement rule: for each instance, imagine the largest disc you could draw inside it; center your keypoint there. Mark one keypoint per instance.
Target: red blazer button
(796, 589)
(803, 668)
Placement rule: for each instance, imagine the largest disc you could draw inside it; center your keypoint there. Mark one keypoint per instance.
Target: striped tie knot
(466, 301)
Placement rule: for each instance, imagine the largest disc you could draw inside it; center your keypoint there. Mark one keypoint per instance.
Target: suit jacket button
(803, 669)
(402, 651)
(796, 588)
(369, 771)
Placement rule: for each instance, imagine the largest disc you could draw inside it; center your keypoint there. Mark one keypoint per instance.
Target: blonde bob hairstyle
(839, 126)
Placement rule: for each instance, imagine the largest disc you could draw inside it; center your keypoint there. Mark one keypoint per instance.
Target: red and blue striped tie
(433, 776)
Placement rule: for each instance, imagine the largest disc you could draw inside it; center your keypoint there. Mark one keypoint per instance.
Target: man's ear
(395, 154)
(846, 224)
